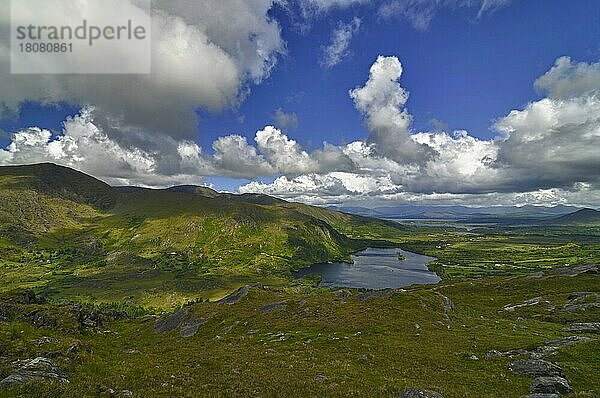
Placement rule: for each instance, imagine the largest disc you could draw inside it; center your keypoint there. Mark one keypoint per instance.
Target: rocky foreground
(533, 336)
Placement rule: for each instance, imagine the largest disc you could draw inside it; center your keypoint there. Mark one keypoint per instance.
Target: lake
(375, 268)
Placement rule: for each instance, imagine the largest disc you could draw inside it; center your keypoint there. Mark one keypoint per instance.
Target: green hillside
(72, 235)
(580, 217)
(119, 289)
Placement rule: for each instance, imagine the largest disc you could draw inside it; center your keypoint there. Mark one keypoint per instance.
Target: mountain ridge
(582, 216)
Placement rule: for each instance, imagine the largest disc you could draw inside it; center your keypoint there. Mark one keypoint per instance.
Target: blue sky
(465, 71)
(462, 71)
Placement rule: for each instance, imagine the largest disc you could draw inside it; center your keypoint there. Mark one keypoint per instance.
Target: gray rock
(39, 368)
(552, 385)
(584, 327)
(526, 303)
(170, 322)
(448, 306)
(582, 301)
(535, 367)
(578, 296)
(567, 341)
(235, 296)
(552, 347)
(190, 328)
(320, 378)
(418, 393)
(272, 307)
(543, 351)
(541, 396)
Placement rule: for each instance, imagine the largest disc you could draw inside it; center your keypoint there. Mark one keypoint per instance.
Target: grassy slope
(363, 348)
(73, 236)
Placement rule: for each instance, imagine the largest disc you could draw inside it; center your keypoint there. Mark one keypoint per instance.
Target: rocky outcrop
(551, 347)
(183, 320)
(448, 306)
(550, 385)
(190, 328)
(418, 393)
(39, 368)
(526, 303)
(535, 367)
(584, 327)
(582, 301)
(235, 296)
(548, 348)
(11, 307)
(31, 308)
(170, 322)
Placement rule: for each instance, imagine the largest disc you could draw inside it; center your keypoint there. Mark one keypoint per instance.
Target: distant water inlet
(375, 269)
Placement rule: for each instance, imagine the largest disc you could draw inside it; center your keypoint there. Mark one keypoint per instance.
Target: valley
(165, 292)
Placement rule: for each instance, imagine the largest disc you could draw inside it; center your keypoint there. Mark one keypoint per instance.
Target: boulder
(418, 393)
(39, 368)
(183, 320)
(235, 296)
(190, 328)
(550, 385)
(170, 322)
(535, 367)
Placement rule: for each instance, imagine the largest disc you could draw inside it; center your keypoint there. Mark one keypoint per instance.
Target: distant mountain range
(464, 213)
(583, 216)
